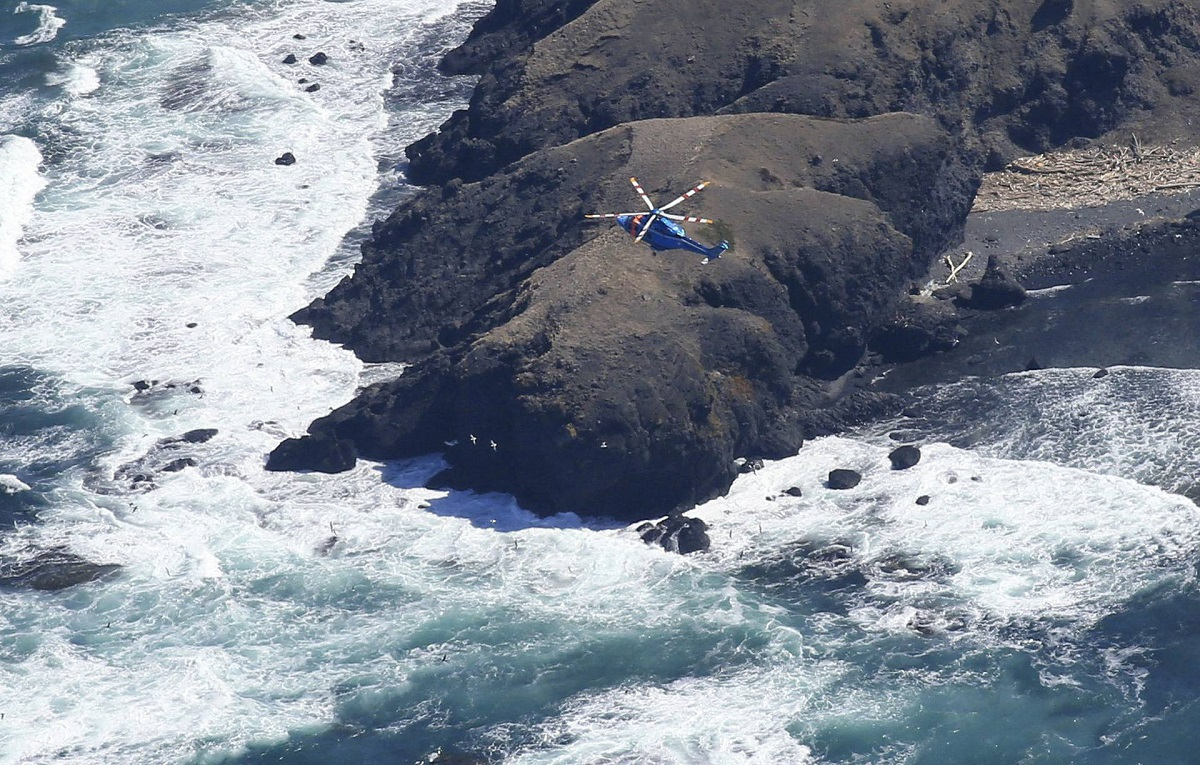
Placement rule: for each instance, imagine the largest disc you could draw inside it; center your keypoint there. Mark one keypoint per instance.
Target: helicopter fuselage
(665, 234)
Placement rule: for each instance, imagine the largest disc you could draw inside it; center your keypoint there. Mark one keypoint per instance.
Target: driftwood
(1088, 177)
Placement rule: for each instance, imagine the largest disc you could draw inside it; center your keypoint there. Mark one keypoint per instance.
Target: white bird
(451, 443)
(473, 439)
(493, 445)
(603, 444)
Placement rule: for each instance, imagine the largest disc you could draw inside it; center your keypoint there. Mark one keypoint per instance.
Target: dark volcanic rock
(582, 373)
(168, 455)
(287, 158)
(842, 478)
(55, 569)
(1021, 76)
(904, 457)
(677, 533)
(289, 58)
(620, 380)
(923, 499)
(919, 327)
(750, 466)
(994, 290)
(318, 453)
(318, 59)
(794, 491)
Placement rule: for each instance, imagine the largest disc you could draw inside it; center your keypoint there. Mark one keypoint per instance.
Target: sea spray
(19, 184)
(48, 23)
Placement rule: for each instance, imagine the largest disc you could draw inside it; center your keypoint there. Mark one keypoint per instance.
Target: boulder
(994, 290)
(794, 491)
(842, 478)
(318, 59)
(923, 499)
(289, 58)
(287, 158)
(317, 453)
(904, 457)
(677, 533)
(313, 88)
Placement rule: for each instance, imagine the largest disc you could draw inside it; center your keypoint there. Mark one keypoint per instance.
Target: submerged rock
(168, 455)
(50, 570)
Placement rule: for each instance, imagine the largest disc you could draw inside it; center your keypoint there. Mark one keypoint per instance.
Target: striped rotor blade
(685, 195)
(645, 229)
(606, 215)
(638, 188)
(686, 218)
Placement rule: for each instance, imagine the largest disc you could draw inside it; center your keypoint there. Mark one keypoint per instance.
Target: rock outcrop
(844, 145)
(1021, 76)
(615, 379)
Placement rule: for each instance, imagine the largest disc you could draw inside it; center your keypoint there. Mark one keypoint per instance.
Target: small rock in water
(313, 88)
(904, 457)
(299, 36)
(318, 453)
(290, 58)
(174, 466)
(751, 466)
(923, 499)
(318, 59)
(1102, 372)
(794, 492)
(192, 325)
(287, 158)
(676, 534)
(842, 478)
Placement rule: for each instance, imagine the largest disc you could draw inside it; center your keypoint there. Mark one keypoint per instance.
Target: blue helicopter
(658, 229)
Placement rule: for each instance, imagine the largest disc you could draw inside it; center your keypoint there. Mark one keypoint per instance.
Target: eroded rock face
(583, 373)
(614, 380)
(1019, 75)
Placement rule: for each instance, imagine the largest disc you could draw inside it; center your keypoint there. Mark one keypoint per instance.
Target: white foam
(48, 23)
(75, 79)
(165, 208)
(1000, 541)
(20, 182)
(10, 484)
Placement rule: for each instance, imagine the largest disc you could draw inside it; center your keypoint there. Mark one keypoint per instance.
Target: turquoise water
(1039, 609)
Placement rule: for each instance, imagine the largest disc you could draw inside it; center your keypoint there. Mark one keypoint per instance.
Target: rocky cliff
(844, 145)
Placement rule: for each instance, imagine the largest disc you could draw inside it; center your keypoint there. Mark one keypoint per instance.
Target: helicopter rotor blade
(610, 215)
(686, 218)
(638, 188)
(685, 195)
(645, 228)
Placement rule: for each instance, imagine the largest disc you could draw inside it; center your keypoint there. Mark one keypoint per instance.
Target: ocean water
(1041, 608)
